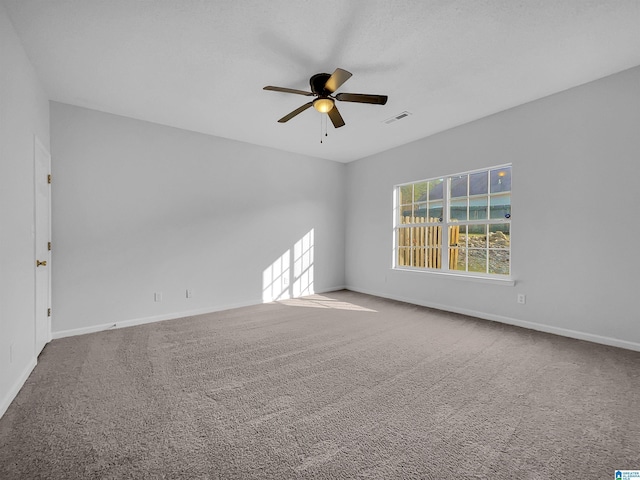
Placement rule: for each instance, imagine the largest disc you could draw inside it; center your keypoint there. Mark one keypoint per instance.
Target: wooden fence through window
(422, 246)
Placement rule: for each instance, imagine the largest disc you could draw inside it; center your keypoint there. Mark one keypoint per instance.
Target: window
(468, 212)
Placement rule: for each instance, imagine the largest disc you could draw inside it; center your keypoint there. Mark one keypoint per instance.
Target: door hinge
(49, 178)
(49, 246)
(48, 312)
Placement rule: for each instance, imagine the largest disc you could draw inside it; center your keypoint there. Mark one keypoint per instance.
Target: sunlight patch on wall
(275, 279)
(303, 266)
(290, 276)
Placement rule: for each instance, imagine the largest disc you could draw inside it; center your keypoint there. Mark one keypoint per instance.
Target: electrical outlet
(189, 293)
(285, 279)
(522, 298)
(157, 297)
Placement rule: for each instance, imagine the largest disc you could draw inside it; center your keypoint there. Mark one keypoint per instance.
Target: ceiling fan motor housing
(317, 83)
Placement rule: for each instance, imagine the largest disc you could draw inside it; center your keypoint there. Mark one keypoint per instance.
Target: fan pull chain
(323, 127)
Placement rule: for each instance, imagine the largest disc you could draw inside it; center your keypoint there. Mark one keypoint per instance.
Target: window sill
(505, 282)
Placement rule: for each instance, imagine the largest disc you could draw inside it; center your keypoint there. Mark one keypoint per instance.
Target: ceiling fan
(323, 87)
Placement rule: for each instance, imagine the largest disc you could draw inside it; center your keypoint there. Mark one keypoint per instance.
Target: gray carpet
(341, 385)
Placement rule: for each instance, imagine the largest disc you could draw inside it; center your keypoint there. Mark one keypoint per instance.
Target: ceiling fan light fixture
(323, 105)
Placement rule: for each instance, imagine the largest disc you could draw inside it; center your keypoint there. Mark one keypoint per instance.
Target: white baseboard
(15, 388)
(141, 321)
(159, 318)
(332, 289)
(564, 332)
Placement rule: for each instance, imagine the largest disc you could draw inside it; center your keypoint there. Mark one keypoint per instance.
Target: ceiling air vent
(395, 118)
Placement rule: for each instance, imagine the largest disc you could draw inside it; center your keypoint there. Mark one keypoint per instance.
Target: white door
(42, 263)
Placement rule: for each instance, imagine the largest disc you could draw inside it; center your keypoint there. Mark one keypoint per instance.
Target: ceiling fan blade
(335, 117)
(298, 110)
(362, 98)
(336, 80)
(287, 90)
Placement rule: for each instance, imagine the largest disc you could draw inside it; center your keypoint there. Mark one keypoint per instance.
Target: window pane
(478, 183)
(477, 260)
(458, 209)
(435, 211)
(457, 235)
(419, 236)
(478, 208)
(404, 237)
(435, 189)
(457, 259)
(477, 236)
(463, 237)
(499, 262)
(434, 258)
(406, 194)
(419, 257)
(405, 212)
(501, 180)
(433, 236)
(420, 192)
(420, 212)
(413, 219)
(459, 186)
(500, 205)
(404, 256)
(499, 236)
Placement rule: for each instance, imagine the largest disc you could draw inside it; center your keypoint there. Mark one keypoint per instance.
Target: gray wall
(576, 165)
(140, 208)
(24, 115)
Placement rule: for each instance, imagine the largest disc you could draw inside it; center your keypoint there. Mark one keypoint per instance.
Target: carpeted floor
(340, 385)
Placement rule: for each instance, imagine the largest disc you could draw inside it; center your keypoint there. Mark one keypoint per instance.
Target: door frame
(40, 149)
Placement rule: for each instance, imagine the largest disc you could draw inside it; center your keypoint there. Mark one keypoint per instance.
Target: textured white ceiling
(201, 65)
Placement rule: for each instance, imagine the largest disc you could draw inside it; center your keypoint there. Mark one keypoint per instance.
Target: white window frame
(445, 224)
